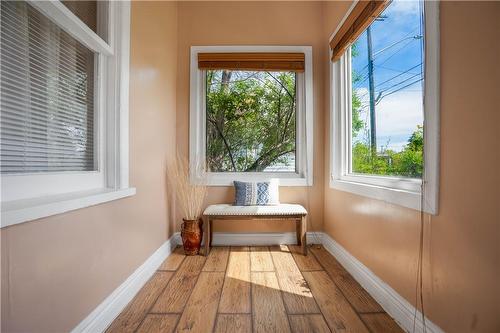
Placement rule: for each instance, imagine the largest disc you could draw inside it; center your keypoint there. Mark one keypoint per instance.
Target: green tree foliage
(407, 163)
(250, 119)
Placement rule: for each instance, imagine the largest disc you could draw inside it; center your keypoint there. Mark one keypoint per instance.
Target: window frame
(34, 195)
(402, 191)
(197, 125)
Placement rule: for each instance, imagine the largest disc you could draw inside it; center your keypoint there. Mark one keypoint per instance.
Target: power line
(396, 52)
(402, 73)
(407, 36)
(394, 77)
(379, 99)
(392, 69)
(359, 82)
(396, 43)
(399, 83)
(364, 78)
(395, 91)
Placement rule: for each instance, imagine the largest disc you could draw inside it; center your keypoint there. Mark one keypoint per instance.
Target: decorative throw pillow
(256, 193)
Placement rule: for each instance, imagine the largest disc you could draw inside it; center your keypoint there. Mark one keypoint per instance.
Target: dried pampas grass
(190, 197)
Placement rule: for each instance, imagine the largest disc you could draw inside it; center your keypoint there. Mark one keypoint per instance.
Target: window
(381, 130)
(251, 114)
(63, 90)
(251, 119)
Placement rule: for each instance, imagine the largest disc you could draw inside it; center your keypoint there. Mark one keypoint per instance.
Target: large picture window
(384, 140)
(251, 114)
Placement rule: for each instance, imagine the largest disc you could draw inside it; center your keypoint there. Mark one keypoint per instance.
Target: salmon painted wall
(55, 271)
(462, 247)
(255, 23)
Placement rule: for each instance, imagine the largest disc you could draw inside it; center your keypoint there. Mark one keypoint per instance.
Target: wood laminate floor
(253, 289)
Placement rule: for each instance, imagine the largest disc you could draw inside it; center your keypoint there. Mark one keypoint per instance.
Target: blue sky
(397, 50)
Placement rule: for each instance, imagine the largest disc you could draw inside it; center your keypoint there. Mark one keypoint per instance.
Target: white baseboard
(393, 303)
(261, 238)
(102, 316)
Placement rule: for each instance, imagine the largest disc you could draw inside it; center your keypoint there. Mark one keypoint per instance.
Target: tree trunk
(226, 78)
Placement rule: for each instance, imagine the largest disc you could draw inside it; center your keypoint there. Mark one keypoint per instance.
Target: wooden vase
(192, 234)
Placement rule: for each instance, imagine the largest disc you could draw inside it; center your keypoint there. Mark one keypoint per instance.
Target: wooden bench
(282, 212)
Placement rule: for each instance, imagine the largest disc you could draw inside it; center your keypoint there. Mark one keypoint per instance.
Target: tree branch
(268, 157)
(283, 86)
(287, 122)
(226, 144)
(279, 113)
(288, 118)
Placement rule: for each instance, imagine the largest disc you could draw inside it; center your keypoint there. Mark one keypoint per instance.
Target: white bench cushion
(281, 209)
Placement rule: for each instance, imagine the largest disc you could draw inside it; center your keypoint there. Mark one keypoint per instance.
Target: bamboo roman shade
(361, 16)
(252, 61)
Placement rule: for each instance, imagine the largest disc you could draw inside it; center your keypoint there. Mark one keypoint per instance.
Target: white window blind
(47, 95)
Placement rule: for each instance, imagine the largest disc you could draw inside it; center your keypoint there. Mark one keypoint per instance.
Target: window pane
(47, 95)
(251, 121)
(87, 11)
(387, 102)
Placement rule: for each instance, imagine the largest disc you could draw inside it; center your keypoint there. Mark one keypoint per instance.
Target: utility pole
(373, 125)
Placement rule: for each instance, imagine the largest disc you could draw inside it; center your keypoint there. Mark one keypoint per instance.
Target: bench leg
(210, 222)
(208, 233)
(303, 231)
(298, 230)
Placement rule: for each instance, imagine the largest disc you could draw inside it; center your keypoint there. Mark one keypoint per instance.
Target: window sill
(19, 211)
(226, 179)
(405, 198)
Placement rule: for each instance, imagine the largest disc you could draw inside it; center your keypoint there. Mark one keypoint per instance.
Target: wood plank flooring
(253, 289)
(235, 296)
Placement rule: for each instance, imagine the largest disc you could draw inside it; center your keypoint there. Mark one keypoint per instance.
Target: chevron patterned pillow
(256, 193)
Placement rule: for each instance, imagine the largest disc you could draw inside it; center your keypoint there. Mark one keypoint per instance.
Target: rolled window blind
(252, 61)
(361, 16)
(47, 95)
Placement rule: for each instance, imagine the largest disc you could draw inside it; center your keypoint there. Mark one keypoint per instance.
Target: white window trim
(33, 196)
(197, 124)
(400, 191)
(69, 22)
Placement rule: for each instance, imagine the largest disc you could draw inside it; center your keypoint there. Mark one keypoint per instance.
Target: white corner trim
(123, 72)
(19, 211)
(393, 303)
(257, 238)
(104, 314)
(431, 108)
